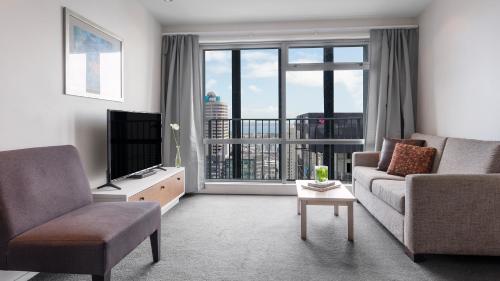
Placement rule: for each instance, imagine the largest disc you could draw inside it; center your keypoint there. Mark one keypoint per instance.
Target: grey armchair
(48, 222)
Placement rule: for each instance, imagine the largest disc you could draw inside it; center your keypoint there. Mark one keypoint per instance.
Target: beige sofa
(454, 210)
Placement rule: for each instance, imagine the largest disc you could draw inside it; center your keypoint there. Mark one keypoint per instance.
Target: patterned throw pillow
(388, 149)
(410, 159)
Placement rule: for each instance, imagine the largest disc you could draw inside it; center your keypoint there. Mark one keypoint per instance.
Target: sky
(259, 81)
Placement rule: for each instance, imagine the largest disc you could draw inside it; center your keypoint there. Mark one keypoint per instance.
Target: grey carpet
(231, 237)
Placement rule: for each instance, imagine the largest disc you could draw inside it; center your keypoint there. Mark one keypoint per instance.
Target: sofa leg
(105, 277)
(414, 257)
(155, 240)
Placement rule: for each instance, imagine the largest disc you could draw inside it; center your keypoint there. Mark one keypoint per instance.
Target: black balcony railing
(245, 128)
(249, 149)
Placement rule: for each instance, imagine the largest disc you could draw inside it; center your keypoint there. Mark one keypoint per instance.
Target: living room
(236, 140)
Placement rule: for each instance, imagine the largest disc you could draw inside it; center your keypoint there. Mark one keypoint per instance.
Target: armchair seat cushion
(366, 175)
(90, 239)
(391, 192)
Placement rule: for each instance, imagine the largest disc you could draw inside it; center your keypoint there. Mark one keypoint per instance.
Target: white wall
(33, 109)
(459, 87)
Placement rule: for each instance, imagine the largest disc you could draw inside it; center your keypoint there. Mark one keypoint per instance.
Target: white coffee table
(340, 196)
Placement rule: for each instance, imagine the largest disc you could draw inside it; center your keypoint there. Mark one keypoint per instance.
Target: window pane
(304, 93)
(259, 84)
(348, 89)
(305, 55)
(218, 80)
(217, 101)
(348, 54)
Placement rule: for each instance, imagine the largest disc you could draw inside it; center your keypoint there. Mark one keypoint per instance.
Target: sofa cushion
(85, 240)
(388, 147)
(433, 141)
(365, 176)
(464, 156)
(410, 159)
(391, 192)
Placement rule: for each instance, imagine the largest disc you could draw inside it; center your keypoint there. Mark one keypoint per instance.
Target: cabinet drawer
(162, 192)
(176, 185)
(149, 194)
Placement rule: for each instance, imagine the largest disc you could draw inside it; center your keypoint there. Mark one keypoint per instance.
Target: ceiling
(193, 12)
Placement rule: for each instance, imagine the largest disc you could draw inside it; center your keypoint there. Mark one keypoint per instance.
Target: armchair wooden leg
(105, 277)
(414, 257)
(155, 240)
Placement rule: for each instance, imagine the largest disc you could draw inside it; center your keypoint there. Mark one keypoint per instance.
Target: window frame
(283, 68)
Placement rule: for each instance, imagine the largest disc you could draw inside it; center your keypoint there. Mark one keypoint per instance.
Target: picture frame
(93, 59)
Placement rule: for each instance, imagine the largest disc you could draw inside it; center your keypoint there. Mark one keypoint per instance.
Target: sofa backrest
(433, 141)
(37, 185)
(464, 156)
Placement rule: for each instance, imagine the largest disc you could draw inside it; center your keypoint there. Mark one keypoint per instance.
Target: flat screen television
(134, 143)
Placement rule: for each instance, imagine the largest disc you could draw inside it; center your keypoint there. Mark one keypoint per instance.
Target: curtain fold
(392, 85)
(181, 103)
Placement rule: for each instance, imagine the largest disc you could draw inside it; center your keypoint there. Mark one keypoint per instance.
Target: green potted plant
(321, 173)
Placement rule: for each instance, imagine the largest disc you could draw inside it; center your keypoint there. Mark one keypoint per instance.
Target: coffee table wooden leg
(303, 219)
(350, 222)
(336, 210)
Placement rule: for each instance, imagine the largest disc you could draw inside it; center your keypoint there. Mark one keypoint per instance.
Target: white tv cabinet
(164, 187)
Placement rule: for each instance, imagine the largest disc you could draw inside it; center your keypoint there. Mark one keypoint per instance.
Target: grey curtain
(181, 102)
(392, 85)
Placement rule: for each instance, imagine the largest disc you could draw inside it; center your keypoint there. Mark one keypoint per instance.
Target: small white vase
(178, 160)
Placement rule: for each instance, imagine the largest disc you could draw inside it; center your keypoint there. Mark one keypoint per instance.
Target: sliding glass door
(274, 112)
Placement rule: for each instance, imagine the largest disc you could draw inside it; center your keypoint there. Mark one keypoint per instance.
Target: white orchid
(175, 126)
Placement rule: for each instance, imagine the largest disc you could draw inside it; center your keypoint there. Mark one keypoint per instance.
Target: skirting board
(249, 188)
(253, 188)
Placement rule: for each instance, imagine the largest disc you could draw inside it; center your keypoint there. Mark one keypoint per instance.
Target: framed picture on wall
(93, 59)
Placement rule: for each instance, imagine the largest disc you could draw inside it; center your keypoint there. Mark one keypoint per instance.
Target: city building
(216, 126)
(338, 156)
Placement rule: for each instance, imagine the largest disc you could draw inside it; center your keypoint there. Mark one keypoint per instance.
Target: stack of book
(321, 186)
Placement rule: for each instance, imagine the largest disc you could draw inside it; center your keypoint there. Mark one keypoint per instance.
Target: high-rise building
(291, 151)
(216, 126)
(216, 109)
(314, 126)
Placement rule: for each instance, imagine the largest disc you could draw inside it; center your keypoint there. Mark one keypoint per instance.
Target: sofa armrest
(452, 214)
(366, 158)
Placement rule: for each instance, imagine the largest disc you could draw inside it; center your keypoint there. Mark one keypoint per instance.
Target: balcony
(254, 149)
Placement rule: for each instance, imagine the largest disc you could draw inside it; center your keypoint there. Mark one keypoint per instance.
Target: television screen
(134, 142)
